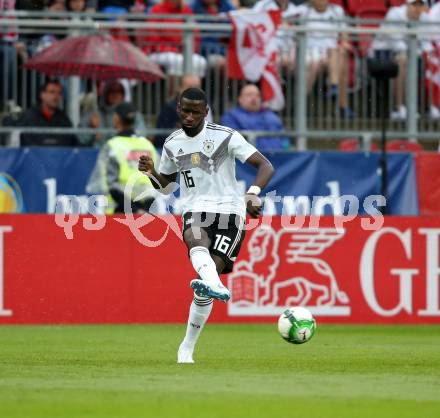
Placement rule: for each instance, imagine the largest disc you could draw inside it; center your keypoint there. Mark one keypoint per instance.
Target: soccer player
(213, 208)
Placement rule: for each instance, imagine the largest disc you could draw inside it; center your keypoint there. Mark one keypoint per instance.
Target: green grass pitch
(247, 371)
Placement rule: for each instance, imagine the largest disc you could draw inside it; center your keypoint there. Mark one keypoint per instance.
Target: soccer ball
(296, 325)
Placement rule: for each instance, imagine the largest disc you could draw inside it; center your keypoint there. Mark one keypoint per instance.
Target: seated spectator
(117, 165)
(251, 116)
(115, 6)
(396, 45)
(243, 4)
(53, 7)
(56, 6)
(168, 117)
(76, 6)
(327, 51)
(434, 15)
(11, 51)
(31, 5)
(119, 8)
(212, 47)
(211, 7)
(47, 115)
(102, 118)
(164, 46)
(91, 6)
(140, 6)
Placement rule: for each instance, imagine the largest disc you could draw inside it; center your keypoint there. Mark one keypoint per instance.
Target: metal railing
(309, 114)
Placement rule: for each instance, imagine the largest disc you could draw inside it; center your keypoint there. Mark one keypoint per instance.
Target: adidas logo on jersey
(180, 151)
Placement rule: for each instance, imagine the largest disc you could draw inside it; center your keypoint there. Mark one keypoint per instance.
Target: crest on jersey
(208, 146)
(195, 158)
(208, 164)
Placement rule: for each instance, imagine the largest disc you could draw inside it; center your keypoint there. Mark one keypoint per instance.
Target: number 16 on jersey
(189, 181)
(222, 243)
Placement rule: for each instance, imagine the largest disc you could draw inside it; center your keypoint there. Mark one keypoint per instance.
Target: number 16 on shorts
(222, 243)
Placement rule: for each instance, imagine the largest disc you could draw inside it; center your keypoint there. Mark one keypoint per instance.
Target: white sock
(198, 315)
(203, 264)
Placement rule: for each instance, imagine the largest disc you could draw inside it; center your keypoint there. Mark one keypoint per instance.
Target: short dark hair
(194, 93)
(43, 87)
(246, 84)
(127, 112)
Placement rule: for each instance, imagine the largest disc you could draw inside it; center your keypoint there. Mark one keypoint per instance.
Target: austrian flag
(253, 52)
(432, 74)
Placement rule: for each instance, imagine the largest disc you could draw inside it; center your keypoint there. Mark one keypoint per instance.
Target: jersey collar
(201, 134)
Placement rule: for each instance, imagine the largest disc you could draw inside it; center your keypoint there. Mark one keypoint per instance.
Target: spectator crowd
(329, 57)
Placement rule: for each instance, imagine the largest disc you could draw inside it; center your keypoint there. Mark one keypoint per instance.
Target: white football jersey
(206, 163)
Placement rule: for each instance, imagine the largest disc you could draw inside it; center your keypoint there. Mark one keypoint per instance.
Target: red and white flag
(253, 52)
(432, 74)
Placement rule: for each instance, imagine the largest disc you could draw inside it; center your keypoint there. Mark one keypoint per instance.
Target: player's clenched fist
(146, 164)
(253, 205)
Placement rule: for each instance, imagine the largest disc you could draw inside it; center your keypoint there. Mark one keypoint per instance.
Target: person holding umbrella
(113, 93)
(76, 56)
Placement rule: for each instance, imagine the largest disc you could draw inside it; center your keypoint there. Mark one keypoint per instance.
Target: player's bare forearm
(264, 174)
(264, 168)
(158, 180)
(161, 181)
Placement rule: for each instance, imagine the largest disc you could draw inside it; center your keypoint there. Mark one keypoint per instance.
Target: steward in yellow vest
(123, 180)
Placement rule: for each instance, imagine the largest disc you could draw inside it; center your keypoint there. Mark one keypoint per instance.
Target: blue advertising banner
(33, 180)
(41, 175)
(317, 175)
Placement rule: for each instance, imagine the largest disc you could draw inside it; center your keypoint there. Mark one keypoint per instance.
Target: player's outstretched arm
(264, 168)
(158, 180)
(265, 172)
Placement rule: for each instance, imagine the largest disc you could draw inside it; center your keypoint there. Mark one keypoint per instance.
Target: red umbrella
(99, 57)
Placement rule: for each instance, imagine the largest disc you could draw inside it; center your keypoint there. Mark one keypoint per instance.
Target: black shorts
(225, 231)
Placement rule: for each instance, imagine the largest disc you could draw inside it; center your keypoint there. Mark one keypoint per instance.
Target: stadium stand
(404, 146)
(353, 145)
(355, 7)
(395, 3)
(341, 3)
(20, 87)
